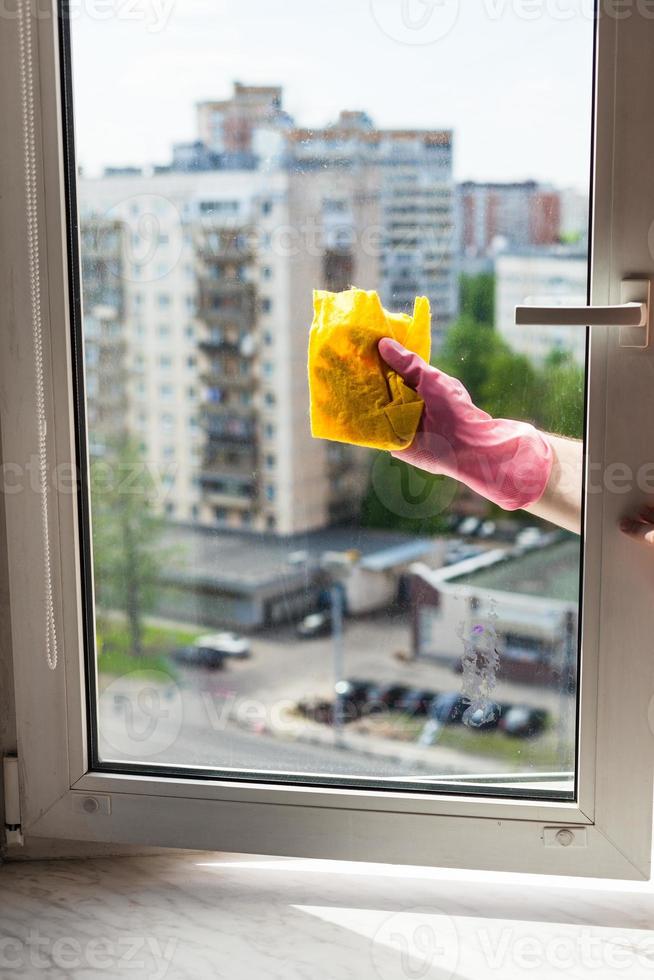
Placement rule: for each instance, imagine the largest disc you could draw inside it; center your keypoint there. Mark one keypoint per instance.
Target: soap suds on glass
(480, 662)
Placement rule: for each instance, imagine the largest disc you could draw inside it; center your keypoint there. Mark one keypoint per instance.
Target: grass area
(115, 656)
(540, 752)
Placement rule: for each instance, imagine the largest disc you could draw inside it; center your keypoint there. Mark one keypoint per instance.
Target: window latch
(632, 314)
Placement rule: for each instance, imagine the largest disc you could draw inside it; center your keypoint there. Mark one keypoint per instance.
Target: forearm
(561, 500)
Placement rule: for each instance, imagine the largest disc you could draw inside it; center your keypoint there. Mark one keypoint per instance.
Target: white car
(229, 644)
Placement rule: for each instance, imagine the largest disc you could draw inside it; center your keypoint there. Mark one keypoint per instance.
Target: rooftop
(247, 562)
(550, 571)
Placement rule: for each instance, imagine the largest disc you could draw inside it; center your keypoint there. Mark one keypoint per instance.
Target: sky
(512, 78)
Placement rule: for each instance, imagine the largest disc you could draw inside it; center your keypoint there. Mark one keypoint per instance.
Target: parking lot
(243, 716)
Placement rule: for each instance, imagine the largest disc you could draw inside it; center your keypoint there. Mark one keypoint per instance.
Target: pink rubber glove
(506, 461)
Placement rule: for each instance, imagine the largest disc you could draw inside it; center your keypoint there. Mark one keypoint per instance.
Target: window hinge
(13, 827)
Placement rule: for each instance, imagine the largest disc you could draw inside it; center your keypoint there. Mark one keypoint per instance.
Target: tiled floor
(215, 915)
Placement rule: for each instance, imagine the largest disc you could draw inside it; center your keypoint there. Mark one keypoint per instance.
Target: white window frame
(612, 818)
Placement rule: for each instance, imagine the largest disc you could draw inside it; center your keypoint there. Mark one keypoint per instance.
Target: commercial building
(247, 581)
(527, 595)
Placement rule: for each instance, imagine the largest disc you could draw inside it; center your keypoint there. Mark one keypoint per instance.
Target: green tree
(127, 551)
(560, 395)
(509, 390)
(467, 353)
(403, 498)
(477, 297)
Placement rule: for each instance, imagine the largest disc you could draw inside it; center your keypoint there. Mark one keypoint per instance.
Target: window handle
(632, 315)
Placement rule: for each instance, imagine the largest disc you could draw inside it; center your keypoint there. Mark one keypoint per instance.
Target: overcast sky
(513, 80)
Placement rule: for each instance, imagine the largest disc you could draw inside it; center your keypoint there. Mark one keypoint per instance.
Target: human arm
(508, 461)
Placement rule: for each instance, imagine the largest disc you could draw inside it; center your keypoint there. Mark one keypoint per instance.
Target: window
(358, 538)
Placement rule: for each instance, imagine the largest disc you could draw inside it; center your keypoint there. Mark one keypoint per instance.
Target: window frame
(612, 818)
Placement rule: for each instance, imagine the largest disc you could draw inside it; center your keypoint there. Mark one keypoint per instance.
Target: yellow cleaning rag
(355, 396)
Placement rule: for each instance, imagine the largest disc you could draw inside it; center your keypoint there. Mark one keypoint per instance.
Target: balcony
(228, 429)
(224, 490)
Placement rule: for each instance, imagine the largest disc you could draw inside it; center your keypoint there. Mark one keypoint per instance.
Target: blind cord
(31, 210)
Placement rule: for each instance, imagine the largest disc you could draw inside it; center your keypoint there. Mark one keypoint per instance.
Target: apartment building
(221, 250)
(414, 234)
(492, 216)
(215, 304)
(103, 250)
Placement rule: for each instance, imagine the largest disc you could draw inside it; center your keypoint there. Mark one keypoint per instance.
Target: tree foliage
(127, 551)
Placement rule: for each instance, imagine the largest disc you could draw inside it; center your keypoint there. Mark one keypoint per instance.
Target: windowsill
(211, 914)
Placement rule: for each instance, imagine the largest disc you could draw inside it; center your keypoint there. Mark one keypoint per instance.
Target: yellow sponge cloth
(355, 397)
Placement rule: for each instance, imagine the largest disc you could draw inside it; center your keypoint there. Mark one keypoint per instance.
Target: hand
(508, 462)
(641, 527)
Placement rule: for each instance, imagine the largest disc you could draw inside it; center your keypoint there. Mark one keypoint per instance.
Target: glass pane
(277, 606)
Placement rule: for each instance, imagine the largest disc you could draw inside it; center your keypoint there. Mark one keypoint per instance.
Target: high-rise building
(221, 250)
(410, 175)
(493, 216)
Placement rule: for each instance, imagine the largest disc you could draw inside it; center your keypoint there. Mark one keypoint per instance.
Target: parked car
(485, 720)
(416, 701)
(314, 625)
(521, 721)
(197, 656)
(227, 644)
(351, 696)
(448, 708)
(380, 697)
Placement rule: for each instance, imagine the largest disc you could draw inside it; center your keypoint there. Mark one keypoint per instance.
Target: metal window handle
(632, 315)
